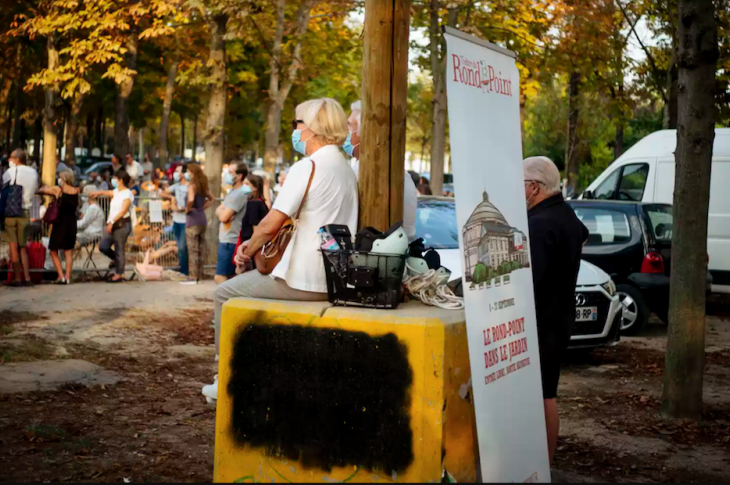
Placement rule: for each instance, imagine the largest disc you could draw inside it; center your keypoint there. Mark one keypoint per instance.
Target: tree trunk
(438, 125)
(215, 127)
(9, 124)
(618, 145)
(37, 135)
(571, 153)
(48, 175)
(18, 121)
(89, 142)
(440, 112)
(685, 357)
(124, 90)
(99, 136)
(195, 137)
(278, 90)
(61, 136)
(271, 136)
(73, 127)
(182, 135)
(618, 141)
(670, 107)
(166, 107)
(140, 144)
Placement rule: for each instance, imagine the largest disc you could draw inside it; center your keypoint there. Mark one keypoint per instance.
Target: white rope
(431, 289)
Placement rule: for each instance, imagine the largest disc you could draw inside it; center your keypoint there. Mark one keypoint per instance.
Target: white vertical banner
(483, 83)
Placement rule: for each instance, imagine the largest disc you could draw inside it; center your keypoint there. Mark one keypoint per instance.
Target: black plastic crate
(357, 278)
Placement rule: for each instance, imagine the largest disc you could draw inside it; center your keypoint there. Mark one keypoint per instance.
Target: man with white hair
(410, 193)
(556, 240)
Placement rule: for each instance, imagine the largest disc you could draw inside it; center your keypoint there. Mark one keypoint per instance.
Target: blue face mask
(348, 147)
(296, 141)
(228, 178)
(114, 183)
(246, 189)
(176, 176)
(187, 176)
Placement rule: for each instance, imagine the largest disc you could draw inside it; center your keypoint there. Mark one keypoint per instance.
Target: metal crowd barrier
(153, 232)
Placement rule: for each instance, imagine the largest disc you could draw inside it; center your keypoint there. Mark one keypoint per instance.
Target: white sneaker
(189, 282)
(211, 391)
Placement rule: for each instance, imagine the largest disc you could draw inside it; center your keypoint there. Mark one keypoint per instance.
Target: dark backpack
(11, 200)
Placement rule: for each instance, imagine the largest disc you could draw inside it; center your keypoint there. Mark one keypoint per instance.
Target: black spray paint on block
(328, 396)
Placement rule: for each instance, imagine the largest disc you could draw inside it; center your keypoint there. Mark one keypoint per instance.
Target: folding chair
(88, 261)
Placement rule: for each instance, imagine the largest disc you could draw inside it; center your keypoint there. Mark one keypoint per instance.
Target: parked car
(97, 167)
(598, 309)
(632, 242)
(86, 161)
(645, 173)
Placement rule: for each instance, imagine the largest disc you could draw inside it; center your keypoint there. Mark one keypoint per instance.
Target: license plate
(586, 314)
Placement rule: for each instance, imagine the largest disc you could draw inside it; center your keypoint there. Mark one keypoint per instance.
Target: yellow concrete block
(437, 408)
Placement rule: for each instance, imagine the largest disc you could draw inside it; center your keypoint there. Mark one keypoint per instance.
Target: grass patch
(25, 351)
(6, 330)
(9, 317)
(45, 432)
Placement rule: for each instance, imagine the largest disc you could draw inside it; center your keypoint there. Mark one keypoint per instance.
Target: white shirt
(115, 206)
(180, 192)
(93, 221)
(135, 170)
(27, 178)
(410, 202)
(332, 199)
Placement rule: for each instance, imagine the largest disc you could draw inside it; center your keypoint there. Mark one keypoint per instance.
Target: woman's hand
(241, 259)
(108, 228)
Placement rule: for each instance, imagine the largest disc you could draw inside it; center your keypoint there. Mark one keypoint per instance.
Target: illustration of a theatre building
(491, 246)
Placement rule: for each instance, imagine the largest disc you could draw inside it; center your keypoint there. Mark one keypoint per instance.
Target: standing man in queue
(556, 241)
(410, 194)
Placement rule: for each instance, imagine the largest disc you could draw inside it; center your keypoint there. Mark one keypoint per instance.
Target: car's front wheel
(635, 312)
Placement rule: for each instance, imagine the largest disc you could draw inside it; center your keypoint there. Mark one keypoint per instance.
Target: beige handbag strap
(306, 192)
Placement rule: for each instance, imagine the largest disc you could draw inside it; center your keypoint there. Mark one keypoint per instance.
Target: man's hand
(241, 259)
(109, 228)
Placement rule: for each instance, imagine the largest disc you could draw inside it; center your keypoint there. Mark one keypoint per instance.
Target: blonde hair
(325, 118)
(67, 176)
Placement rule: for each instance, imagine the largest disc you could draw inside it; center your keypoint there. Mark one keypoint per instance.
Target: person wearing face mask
(556, 241)
(352, 148)
(230, 213)
(119, 225)
(256, 208)
(320, 189)
(63, 231)
(177, 193)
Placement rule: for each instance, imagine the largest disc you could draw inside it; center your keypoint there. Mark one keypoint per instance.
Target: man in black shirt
(556, 240)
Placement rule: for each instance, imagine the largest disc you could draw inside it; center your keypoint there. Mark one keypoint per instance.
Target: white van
(646, 173)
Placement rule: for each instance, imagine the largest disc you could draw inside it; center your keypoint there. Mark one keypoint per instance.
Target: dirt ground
(153, 425)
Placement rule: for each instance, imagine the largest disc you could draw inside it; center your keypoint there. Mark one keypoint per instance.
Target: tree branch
(303, 16)
(646, 51)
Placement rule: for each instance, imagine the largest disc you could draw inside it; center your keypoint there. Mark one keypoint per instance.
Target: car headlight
(610, 287)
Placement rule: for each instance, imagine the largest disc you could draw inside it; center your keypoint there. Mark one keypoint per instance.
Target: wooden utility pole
(685, 359)
(384, 103)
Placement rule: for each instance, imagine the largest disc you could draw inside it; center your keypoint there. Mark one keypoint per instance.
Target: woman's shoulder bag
(272, 252)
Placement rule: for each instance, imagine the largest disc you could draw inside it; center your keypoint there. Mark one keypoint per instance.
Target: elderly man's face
(532, 188)
(232, 169)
